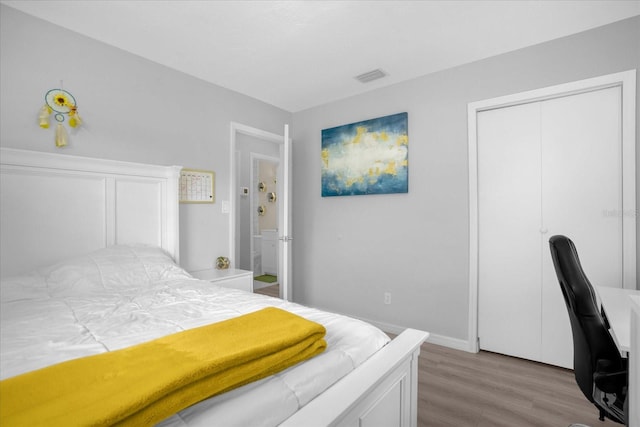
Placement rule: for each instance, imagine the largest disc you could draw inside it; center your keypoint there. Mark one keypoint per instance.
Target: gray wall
(134, 110)
(348, 251)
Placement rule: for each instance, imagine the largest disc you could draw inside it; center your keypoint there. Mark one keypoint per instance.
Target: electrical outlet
(387, 297)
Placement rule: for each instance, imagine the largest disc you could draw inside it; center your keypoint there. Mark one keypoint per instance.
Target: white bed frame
(54, 207)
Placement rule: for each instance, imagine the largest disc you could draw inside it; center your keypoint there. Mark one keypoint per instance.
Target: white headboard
(55, 206)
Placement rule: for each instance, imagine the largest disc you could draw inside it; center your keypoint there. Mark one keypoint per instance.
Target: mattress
(124, 295)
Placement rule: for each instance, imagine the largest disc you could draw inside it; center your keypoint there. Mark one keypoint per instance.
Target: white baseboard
(442, 340)
(455, 343)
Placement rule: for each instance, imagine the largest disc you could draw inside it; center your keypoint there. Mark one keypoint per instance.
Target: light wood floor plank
(272, 291)
(457, 388)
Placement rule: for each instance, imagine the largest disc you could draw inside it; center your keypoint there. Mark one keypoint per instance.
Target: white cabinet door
(545, 168)
(509, 272)
(581, 150)
(269, 251)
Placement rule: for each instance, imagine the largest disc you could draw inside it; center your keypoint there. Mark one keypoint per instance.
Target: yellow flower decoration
(61, 100)
(60, 103)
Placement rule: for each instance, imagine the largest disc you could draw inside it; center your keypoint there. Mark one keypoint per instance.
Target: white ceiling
(300, 54)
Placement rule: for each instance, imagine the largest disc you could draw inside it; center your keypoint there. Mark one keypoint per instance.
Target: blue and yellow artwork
(368, 157)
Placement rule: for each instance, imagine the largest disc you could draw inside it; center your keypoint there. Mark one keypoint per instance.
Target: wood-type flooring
(272, 291)
(458, 388)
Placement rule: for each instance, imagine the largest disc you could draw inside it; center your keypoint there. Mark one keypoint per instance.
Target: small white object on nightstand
(229, 278)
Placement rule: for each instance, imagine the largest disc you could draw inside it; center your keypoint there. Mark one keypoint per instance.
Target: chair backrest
(591, 339)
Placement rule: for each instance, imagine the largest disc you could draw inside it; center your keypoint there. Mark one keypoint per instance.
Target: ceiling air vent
(370, 76)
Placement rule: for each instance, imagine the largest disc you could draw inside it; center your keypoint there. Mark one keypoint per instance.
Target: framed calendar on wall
(197, 186)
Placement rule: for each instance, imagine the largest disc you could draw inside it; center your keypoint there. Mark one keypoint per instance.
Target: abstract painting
(368, 157)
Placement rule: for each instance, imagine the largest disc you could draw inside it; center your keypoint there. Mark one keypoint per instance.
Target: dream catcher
(61, 104)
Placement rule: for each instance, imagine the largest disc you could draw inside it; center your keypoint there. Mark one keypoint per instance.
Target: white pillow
(116, 268)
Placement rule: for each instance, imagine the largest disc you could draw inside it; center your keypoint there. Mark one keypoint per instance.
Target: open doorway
(263, 216)
(256, 205)
(244, 141)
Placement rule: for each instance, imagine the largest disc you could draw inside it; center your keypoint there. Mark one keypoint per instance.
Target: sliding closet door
(509, 273)
(545, 168)
(581, 148)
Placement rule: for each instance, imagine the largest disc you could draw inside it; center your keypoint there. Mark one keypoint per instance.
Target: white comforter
(124, 295)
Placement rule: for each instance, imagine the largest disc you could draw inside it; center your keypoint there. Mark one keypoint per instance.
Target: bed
(90, 265)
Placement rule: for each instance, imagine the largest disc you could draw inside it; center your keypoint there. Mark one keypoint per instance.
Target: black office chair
(600, 371)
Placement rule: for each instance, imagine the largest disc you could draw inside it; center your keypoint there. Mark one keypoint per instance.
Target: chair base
(610, 407)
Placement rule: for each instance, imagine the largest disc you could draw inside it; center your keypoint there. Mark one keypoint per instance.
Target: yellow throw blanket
(146, 383)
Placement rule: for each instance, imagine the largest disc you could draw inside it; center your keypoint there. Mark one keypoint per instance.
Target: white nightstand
(229, 278)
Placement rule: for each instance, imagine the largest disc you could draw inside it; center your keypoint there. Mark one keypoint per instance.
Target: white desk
(617, 306)
(634, 364)
(622, 307)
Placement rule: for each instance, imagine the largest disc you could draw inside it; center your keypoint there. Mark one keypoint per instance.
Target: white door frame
(236, 129)
(626, 80)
